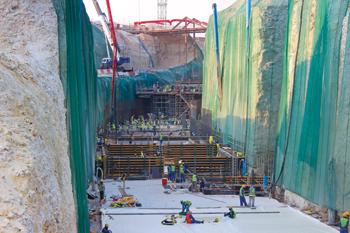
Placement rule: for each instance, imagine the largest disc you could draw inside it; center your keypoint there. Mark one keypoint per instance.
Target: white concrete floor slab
(154, 201)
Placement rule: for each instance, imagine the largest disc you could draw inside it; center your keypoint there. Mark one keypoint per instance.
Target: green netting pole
(121, 149)
(144, 163)
(135, 148)
(195, 160)
(128, 165)
(253, 177)
(206, 150)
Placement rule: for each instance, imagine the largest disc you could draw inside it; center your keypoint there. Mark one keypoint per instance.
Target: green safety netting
(79, 79)
(267, 36)
(100, 49)
(316, 163)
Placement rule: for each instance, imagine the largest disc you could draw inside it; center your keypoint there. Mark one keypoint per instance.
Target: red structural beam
(171, 21)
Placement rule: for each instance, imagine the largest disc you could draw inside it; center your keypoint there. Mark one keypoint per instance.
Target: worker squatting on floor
(190, 218)
(105, 229)
(242, 197)
(344, 223)
(186, 206)
(252, 196)
(231, 214)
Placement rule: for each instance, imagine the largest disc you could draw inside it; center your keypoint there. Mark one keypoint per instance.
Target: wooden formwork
(131, 166)
(169, 150)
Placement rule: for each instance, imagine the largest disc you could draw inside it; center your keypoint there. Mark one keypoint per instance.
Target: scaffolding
(172, 104)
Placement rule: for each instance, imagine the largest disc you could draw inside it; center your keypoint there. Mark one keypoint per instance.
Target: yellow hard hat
(216, 220)
(230, 207)
(91, 231)
(243, 185)
(106, 225)
(346, 214)
(182, 165)
(173, 163)
(181, 202)
(190, 212)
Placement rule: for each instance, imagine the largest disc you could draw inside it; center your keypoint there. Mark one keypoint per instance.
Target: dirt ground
(95, 220)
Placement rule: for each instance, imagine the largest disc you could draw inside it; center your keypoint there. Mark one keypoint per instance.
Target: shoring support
(267, 212)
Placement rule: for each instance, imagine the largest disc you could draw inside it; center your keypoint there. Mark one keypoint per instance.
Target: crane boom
(105, 26)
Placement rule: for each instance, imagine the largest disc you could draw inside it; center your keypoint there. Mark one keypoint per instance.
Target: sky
(130, 11)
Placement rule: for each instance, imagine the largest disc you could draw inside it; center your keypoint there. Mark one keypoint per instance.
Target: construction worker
(344, 223)
(195, 178)
(182, 172)
(160, 139)
(91, 231)
(154, 130)
(231, 214)
(190, 219)
(216, 220)
(173, 172)
(169, 173)
(101, 189)
(252, 196)
(180, 131)
(105, 229)
(241, 196)
(127, 129)
(185, 206)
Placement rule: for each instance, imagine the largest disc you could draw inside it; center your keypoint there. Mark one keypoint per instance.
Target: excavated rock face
(35, 178)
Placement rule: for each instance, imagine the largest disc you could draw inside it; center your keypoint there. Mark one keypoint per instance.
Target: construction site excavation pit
(269, 215)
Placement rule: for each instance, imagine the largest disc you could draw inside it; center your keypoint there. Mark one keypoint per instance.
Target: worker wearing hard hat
(186, 206)
(252, 196)
(173, 172)
(160, 139)
(344, 223)
(105, 229)
(241, 196)
(182, 173)
(190, 218)
(231, 214)
(101, 189)
(195, 178)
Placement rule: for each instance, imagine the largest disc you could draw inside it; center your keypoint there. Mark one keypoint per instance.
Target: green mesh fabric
(100, 46)
(79, 79)
(316, 160)
(263, 88)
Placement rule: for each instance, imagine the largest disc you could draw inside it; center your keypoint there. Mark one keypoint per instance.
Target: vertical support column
(194, 42)
(211, 164)
(104, 167)
(121, 149)
(161, 167)
(144, 163)
(128, 165)
(181, 151)
(195, 159)
(218, 70)
(168, 149)
(186, 41)
(134, 147)
(148, 148)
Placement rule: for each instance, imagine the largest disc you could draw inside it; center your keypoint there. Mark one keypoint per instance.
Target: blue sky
(129, 11)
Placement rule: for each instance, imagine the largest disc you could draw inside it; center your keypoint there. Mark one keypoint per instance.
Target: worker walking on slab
(169, 173)
(195, 178)
(242, 196)
(185, 206)
(190, 218)
(231, 214)
(252, 196)
(101, 189)
(105, 229)
(173, 172)
(344, 223)
(182, 172)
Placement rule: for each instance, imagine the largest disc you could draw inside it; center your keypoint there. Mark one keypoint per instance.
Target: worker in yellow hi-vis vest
(195, 178)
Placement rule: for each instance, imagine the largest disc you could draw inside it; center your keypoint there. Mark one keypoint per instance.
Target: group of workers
(252, 196)
(190, 219)
(172, 173)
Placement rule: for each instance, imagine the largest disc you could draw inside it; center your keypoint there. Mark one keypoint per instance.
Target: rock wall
(36, 190)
